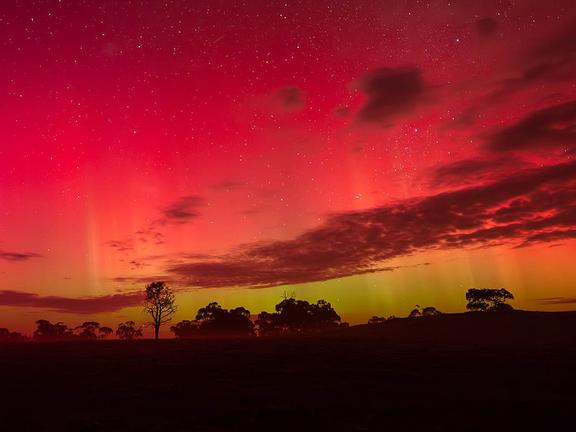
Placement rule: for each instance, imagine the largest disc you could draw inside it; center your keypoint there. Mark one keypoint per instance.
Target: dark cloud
(142, 280)
(183, 210)
(486, 27)
(150, 235)
(147, 235)
(121, 245)
(557, 300)
(533, 205)
(551, 62)
(473, 170)
(18, 256)
(136, 265)
(549, 237)
(545, 129)
(391, 91)
(557, 54)
(548, 67)
(86, 305)
(290, 98)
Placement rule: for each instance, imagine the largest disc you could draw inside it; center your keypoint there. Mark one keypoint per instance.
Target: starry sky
(375, 154)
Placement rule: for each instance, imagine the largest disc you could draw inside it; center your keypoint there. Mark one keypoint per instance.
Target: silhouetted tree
(214, 319)
(430, 311)
(7, 335)
(486, 299)
(298, 316)
(502, 307)
(185, 329)
(323, 316)
(88, 330)
(159, 303)
(416, 312)
(127, 330)
(269, 324)
(45, 330)
(376, 320)
(104, 332)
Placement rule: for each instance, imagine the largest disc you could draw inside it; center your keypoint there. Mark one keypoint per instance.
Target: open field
(469, 372)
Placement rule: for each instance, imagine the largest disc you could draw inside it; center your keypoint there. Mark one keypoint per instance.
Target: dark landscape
(452, 372)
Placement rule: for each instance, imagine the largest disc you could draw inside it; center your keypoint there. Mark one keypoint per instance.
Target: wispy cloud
(556, 300)
(18, 256)
(183, 210)
(84, 305)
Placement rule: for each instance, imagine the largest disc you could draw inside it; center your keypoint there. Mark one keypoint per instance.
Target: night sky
(375, 154)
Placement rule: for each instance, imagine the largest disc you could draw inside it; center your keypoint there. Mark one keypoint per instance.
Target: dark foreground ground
(452, 373)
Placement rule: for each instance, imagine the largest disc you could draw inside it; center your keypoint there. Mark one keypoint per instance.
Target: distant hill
(511, 327)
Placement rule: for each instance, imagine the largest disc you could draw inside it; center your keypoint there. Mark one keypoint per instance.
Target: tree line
(478, 300)
(291, 317)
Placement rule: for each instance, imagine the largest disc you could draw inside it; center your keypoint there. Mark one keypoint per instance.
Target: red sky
(376, 154)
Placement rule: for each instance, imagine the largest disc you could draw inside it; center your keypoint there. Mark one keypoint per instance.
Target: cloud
(290, 98)
(541, 131)
(136, 265)
(557, 55)
(549, 237)
(182, 210)
(543, 71)
(486, 27)
(473, 170)
(121, 245)
(150, 234)
(18, 256)
(556, 300)
(85, 305)
(390, 92)
(143, 280)
(533, 205)
(548, 128)
(551, 62)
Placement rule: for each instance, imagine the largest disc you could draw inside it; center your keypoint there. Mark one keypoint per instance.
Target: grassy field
(468, 372)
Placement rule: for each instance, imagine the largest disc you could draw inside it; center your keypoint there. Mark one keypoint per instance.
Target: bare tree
(159, 303)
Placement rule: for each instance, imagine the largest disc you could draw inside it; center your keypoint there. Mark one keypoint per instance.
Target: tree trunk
(156, 331)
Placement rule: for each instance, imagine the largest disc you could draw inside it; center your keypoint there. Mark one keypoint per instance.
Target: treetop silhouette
(45, 330)
(298, 316)
(426, 311)
(488, 300)
(93, 330)
(128, 331)
(213, 319)
(7, 335)
(376, 320)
